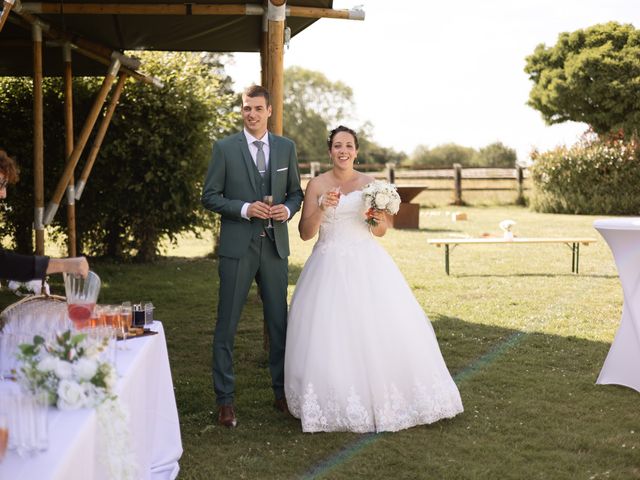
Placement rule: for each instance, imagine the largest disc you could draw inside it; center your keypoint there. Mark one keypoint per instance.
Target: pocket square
(282, 169)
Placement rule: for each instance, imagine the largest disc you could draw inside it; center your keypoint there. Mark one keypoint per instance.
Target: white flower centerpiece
(383, 196)
(69, 369)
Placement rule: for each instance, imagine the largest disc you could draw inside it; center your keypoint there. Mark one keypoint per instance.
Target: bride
(361, 354)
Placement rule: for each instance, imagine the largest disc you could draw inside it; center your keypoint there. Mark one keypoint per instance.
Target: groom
(245, 168)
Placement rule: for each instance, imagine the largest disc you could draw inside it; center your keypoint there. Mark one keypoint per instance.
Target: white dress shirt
(253, 150)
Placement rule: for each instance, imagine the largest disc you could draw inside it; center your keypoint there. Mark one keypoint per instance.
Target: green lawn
(523, 337)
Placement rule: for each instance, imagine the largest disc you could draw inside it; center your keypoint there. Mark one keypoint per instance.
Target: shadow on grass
(525, 275)
(531, 410)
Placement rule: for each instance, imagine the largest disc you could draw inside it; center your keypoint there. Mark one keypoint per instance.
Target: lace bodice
(345, 225)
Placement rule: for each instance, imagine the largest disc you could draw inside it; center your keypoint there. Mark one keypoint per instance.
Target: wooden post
(276, 14)
(520, 200)
(68, 148)
(38, 139)
(264, 50)
(391, 172)
(6, 9)
(102, 130)
(52, 207)
(457, 181)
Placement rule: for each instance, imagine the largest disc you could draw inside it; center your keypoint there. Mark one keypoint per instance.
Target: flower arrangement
(69, 369)
(382, 196)
(506, 226)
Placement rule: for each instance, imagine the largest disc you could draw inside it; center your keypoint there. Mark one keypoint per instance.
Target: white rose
(110, 378)
(63, 369)
(71, 395)
(381, 200)
(47, 364)
(394, 205)
(85, 368)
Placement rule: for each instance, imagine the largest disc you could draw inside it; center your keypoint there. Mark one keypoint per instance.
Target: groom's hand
(279, 213)
(259, 210)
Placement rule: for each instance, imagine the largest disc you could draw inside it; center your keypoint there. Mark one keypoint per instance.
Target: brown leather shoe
(281, 404)
(227, 416)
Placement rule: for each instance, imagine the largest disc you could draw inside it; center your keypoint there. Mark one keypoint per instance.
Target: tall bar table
(621, 365)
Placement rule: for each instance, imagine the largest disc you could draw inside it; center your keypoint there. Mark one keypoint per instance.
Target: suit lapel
(273, 163)
(248, 161)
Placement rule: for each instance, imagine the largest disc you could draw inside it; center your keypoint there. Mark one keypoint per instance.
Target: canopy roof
(182, 30)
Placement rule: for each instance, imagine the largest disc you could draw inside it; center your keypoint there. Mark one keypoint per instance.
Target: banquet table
(621, 365)
(145, 388)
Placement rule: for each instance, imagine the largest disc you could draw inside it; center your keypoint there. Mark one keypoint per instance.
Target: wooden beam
(185, 9)
(68, 149)
(38, 139)
(275, 82)
(54, 203)
(6, 9)
(86, 47)
(102, 130)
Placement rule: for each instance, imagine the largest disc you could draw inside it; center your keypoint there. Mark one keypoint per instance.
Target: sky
(427, 72)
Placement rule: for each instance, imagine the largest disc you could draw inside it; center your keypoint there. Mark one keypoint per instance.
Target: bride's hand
(377, 215)
(329, 199)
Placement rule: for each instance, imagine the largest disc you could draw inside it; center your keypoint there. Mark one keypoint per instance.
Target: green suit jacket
(231, 182)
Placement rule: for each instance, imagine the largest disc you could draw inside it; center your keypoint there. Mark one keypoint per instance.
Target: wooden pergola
(58, 38)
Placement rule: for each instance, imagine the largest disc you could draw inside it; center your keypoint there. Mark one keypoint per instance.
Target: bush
(147, 179)
(592, 177)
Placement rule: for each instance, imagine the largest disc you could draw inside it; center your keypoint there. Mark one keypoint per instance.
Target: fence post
(314, 169)
(457, 181)
(391, 172)
(520, 178)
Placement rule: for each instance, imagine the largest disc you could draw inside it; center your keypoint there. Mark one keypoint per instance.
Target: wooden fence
(508, 179)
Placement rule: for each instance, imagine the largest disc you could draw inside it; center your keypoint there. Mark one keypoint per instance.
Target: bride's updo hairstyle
(338, 129)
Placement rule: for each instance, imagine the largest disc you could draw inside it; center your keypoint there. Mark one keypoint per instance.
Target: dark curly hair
(338, 129)
(9, 167)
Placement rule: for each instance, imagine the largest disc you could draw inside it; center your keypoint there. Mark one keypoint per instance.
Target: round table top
(622, 223)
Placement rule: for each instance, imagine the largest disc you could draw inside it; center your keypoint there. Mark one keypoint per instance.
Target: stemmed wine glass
(337, 191)
(268, 199)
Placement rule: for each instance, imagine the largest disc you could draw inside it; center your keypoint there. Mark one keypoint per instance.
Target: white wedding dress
(361, 354)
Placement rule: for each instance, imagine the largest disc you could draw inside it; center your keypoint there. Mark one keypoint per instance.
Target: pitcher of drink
(82, 295)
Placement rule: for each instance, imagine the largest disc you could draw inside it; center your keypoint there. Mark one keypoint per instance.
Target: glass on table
(4, 433)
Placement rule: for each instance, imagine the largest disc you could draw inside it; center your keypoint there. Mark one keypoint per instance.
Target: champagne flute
(337, 192)
(4, 434)
(268, 199)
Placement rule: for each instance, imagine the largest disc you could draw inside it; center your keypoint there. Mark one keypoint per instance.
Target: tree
(589, 76)
(312, 105)
(147, 179)
(442, 156)
(496, 155)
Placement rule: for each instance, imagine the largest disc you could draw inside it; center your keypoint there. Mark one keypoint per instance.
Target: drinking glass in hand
(335, 192)
(268, 199)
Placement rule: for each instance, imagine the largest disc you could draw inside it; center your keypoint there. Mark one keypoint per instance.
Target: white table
(621, 364)
(146, 389)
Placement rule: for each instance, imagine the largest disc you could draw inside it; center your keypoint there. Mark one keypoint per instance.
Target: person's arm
(313, 209)
(381, 218)
(213, 190)
(14, 266)
(78, 265)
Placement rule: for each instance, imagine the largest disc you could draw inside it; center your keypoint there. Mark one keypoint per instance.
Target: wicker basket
(29, 300)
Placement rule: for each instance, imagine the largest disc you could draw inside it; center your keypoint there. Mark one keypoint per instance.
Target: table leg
(446, 259)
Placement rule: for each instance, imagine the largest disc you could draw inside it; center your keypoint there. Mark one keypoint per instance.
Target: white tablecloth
(146, 389)
(621, 365)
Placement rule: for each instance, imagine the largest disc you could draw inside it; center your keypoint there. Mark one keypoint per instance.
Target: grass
(523, 337)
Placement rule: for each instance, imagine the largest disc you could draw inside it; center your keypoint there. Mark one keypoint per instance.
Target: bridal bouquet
(69, 369)
(382, 196)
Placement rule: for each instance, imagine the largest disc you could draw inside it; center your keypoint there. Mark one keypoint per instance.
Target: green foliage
(592, 177)
(146, 181)
(589, 76)
(442, 156)
(496, 155)
(313, 105)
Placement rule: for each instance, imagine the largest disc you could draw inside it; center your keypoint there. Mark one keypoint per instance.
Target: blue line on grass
(367, 439)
